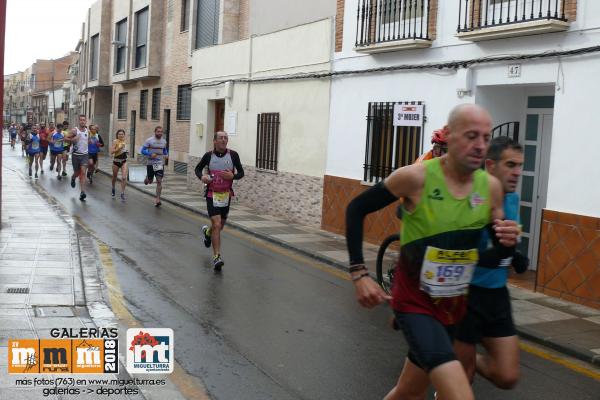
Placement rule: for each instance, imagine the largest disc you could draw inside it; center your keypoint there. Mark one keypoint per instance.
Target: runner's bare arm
(407, 182)
(507, 231)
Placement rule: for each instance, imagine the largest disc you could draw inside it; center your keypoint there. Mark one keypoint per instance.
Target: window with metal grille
(267, 140)
(185, 15)
(120, 41)
(122, 107)
(144, 104)
(207, 23)
(388, 147)
(94, 51)
(184, 102)
(141, 37)
(155, 104)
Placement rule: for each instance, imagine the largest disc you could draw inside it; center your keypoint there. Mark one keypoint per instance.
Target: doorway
(219, 115)
(534, 181)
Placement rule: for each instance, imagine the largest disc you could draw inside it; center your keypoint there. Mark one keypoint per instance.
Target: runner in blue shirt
(489, 317)
(95, 142)
(33, 149)
(56, 140)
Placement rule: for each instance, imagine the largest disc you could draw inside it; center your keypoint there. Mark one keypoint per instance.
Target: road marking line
(188, 386)
(539, 352)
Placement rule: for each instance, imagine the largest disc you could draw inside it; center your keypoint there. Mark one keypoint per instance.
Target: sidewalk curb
(532, 336)
(522, 331)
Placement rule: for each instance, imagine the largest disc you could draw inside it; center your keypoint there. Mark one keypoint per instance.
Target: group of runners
(217, 169)
(458, 239)
(82, 144)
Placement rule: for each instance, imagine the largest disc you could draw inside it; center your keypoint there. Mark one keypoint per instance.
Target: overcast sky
(42, 29)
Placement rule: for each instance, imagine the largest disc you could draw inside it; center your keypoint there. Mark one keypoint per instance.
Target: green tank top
(443, 221)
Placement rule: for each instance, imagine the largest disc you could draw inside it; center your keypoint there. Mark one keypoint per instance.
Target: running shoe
(42, 172)
(218, 262)
(58, 177)
(122, 196)
(112, 192)
(64, 173)
(82, 196)
(206, 233)
(73, 181)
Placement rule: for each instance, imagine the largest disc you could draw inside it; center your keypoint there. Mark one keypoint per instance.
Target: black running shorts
(488, 315)
(429, 342)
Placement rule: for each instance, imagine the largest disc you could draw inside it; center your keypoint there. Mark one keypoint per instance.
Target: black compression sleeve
(371, 200)
(202, 164)
(239, 170)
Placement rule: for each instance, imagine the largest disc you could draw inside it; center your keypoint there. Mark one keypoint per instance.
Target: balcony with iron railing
(496, 19)
(390, 25)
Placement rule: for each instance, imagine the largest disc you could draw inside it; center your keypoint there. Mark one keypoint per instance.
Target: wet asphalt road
(272, 325)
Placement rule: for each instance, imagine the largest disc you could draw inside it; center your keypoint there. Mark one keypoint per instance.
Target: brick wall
(433, 13)
(571, 10)
(339, 24)
(174, 72)
(244, 19)
(569, 258)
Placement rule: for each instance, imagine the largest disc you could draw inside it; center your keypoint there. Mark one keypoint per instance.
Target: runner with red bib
(222, 166)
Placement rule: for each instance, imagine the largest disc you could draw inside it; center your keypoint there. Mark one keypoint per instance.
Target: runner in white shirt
(79, 137)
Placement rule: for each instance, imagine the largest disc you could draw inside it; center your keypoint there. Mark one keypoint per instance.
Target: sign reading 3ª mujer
(408, 115)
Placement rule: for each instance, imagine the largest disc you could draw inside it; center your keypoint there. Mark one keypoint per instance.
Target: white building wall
(303, 105)
(286, 13)
(296, 188)
(573, 81)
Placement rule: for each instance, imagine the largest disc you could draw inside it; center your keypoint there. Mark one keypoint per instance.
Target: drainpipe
(249, 72)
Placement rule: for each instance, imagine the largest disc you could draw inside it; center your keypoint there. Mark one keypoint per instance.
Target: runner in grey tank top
(222, 166)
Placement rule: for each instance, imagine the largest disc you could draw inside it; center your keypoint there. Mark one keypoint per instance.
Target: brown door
(219, 115)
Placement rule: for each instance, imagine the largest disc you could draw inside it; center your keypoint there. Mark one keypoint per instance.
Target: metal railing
(478, 14)
(510, 129)
(380, 21)
(388, 147)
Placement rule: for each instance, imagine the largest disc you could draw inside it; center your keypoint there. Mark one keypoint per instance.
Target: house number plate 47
(514, 70)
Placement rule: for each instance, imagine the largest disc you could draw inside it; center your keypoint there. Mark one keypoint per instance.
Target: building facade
(150, 73)
(94, 96)
(278, 127)
(439, 54)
